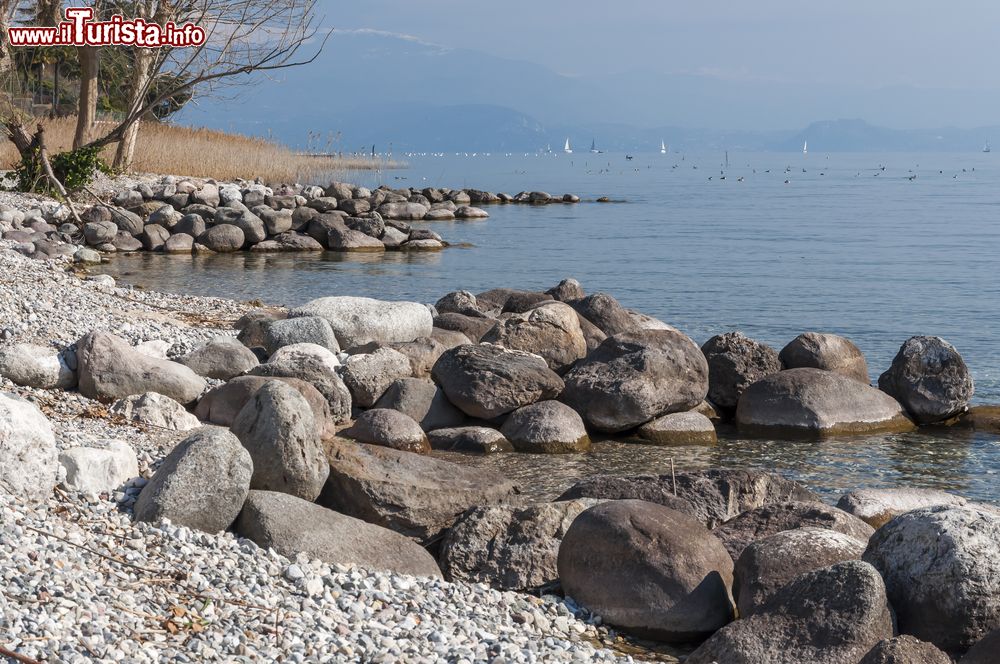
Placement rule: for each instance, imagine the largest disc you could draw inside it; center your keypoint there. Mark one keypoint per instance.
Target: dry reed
(170, 149)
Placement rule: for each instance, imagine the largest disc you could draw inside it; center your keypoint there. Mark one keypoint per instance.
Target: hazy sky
(871, 43)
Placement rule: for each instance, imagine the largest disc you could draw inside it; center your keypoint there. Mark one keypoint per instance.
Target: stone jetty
(189, 478)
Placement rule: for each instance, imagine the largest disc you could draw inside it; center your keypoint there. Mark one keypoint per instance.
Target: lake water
(845, 246)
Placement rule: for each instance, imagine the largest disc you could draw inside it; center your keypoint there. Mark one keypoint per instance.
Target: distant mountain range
(371, 88)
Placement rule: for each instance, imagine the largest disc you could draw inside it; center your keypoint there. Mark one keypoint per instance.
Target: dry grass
(207, 153)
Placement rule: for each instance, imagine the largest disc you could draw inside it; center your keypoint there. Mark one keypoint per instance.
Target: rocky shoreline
(191, 216)
(211, 480)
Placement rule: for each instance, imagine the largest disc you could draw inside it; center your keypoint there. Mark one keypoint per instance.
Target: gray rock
(414, 494)
(550, 330)
(191, 224)
(509, 547)
(478, 440)
(904, 649)
(567, 290)
(487, 381)
(179, 243)
(423, 401)
(519, 302)
(291, 526)
(423, 354)
(93, 471)
(389, 428)
(155, 410)
(315, 365)
(360, 320)
(941, 567)
(734, 363)
(124, 243)
(99, 232)
(754, 524)
(223, 238)
(930, 379)
(647, 569)
(877, 507)
(35, 366)
(772, 562)
(633, 378)
(307, 329)
(985, 650)
(828, 352)
(473, 327)
(154, 237)
(369, 376)
(222, 404)
(277, 427)
(208, 194)
(127, 221)
(201, 484)
(110, 369)
(459, 302)
(351, 240)
(222, 357)
(371, 226)
(606, 313)
(404, 211)
(547, 427)
(833, 615)
(449, 338)
(813, 402)
(28, 455)
(690, 428)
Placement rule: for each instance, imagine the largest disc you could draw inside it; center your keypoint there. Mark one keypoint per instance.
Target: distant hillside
(859, 136)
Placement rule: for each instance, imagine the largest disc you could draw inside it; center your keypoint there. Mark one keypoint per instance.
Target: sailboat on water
(805, 147)
(566, 148)
(663, 148)
(986, 148)
(593, 147)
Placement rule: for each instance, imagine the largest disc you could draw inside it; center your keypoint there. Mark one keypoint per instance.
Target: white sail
(805, 147)
(567, 149)
(663, 148)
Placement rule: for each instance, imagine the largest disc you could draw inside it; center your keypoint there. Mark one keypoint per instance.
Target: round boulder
(647, 569)
(547, 427)
(550, 330)
(690, 428)
(942, 569)
(930, 379)
(735, 362)
(904, 649)
(825, 351)
(389, 428)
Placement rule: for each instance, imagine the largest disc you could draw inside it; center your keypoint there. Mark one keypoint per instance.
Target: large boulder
(413, 494)
(278, 429)
(877, 507)
(389, 428)
(291, 526)
(222, 357)
(547, 427)
(930, 379)
(360, 320)
(368, 376)
(315, 365)
(223, 238)
(690, 428)
(509, 547)
(904, 649)
(635, 377)
(942, 570)
(551, 330)
(424, 352)
(95, 470)
(985, 650)
(825, 351)
(423, 401)
(473, 327)
(735, 362)
(487, 381)
(712, 496)
(647, 569)
(110, 369)
(155, 410)
(41, 367)
(28, 458)
(201, 484)
(833, 615)
(768, 564)
(749, 526)
(606, 313)
(303, 330)
(813, 403)
(475, 439)
(222, 404)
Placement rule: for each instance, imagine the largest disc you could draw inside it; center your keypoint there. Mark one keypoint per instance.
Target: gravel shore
(81, 582)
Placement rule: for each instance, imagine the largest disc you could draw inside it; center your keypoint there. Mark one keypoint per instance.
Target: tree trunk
(140, 81)
(86, 113)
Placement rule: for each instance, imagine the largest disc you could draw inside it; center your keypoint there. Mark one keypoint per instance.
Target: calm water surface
(845, 247)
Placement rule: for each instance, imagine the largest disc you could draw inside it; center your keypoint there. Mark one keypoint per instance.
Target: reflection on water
(959, 461)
